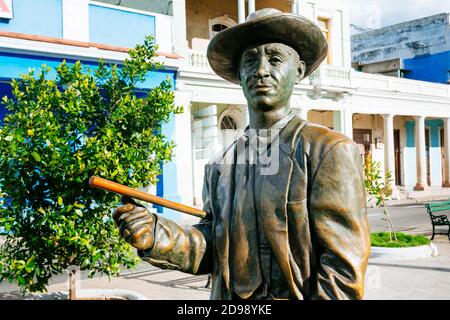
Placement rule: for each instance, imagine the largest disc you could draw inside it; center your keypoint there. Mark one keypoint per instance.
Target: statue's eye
(275, 60)
(249, 60)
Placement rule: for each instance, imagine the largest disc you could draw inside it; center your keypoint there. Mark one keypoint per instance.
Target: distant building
(418, 49)
(354, 29)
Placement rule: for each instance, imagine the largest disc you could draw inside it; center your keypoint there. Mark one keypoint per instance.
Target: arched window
(228, 123)
(219, 24)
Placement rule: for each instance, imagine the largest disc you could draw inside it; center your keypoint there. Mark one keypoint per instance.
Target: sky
(379, 13)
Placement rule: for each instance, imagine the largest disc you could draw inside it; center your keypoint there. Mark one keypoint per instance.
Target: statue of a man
(298, 232)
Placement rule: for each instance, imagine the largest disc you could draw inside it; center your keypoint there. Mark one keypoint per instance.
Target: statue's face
(268, 74)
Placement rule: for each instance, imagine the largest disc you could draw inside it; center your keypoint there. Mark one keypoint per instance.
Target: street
(412, 219)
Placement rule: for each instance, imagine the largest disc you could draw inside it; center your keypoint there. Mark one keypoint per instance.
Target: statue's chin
(265, 104)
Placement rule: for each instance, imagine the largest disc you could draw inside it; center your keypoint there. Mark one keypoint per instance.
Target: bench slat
(438, 204)
(437, 209)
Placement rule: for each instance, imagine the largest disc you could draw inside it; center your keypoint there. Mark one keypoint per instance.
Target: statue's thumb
(127, 199)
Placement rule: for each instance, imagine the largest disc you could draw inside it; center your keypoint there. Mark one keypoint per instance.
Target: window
(324, 24)
(228, 123)
(218, 27)
(219, 24)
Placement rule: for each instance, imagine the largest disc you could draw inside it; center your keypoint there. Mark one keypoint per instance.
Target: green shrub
(382, 239)
(57, 134)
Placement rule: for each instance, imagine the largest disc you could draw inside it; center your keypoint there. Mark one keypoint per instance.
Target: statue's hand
(136, 224)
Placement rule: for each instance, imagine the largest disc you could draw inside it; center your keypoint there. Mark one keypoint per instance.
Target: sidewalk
(407, 197)
(385, 280)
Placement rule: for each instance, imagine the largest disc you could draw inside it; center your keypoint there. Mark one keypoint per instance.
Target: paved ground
(395, 279)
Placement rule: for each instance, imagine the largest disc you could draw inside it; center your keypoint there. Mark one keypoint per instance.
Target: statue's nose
(262, 70)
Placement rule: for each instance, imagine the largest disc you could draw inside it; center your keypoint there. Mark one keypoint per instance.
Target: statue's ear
(301, 71)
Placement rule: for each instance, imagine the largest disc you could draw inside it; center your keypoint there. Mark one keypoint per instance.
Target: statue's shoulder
(316, 140)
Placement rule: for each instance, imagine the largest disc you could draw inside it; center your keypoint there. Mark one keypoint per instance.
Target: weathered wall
(283, 5)
(198, 13)
(419, 37)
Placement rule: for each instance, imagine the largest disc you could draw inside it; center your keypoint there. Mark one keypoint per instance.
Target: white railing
(369, 81)
(328, 75)
(198, 59)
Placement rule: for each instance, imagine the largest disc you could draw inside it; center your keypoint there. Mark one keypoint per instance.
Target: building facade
(417, 49)
(377, 111)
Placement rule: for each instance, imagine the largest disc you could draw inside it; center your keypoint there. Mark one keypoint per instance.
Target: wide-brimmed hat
(266, 26)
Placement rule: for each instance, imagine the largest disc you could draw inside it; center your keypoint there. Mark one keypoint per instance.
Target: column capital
(420, 118)
(446, 120)
(388, 116)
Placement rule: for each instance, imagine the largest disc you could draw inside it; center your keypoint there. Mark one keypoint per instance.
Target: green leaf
(36, 156)
(21, 280)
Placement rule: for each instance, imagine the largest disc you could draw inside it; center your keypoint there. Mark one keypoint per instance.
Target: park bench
(439, 220)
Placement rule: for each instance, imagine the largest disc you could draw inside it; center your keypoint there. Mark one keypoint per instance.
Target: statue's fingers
(134, 225)
(135, 215)
(121, 210)
(144, 238)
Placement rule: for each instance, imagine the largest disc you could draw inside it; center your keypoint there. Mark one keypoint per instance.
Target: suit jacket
(313, 213)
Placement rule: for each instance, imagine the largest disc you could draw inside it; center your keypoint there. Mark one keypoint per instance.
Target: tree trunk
(72, 284)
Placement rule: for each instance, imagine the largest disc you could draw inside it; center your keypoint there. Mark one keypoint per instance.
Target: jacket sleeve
(183, 249)
(340, 228)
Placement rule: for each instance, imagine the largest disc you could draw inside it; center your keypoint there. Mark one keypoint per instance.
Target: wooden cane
(111, 186)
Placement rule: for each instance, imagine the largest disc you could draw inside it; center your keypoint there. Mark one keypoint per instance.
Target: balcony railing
(328, 75)
(198, 59)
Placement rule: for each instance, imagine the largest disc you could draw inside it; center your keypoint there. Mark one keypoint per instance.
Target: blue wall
(43, 17)
(433, 68)
(118, 27)
(434, 153)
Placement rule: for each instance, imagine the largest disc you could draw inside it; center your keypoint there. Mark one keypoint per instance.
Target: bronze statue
(298, 233)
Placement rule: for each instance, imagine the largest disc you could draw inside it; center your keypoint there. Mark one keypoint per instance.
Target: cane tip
(92, 180)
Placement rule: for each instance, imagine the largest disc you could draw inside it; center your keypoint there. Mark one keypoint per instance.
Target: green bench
(439, 220)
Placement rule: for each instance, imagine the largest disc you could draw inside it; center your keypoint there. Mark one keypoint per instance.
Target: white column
(183, 149)
(343, 122)
(251, 6)
(179, 34)
(389, 150)
(420, 155)
(302, 113)
(241, 11)
(177, 174)
(294, 6)
(446, 162)
(75, 20)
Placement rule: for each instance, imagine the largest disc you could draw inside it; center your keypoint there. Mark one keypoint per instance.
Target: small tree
(379, 189)
(59, 133)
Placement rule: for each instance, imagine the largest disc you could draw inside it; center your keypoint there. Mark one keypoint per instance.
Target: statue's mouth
(262, 87)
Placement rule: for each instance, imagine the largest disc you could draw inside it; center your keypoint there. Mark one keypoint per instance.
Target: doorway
(427, 154)
(363, 138)
(397, 158)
